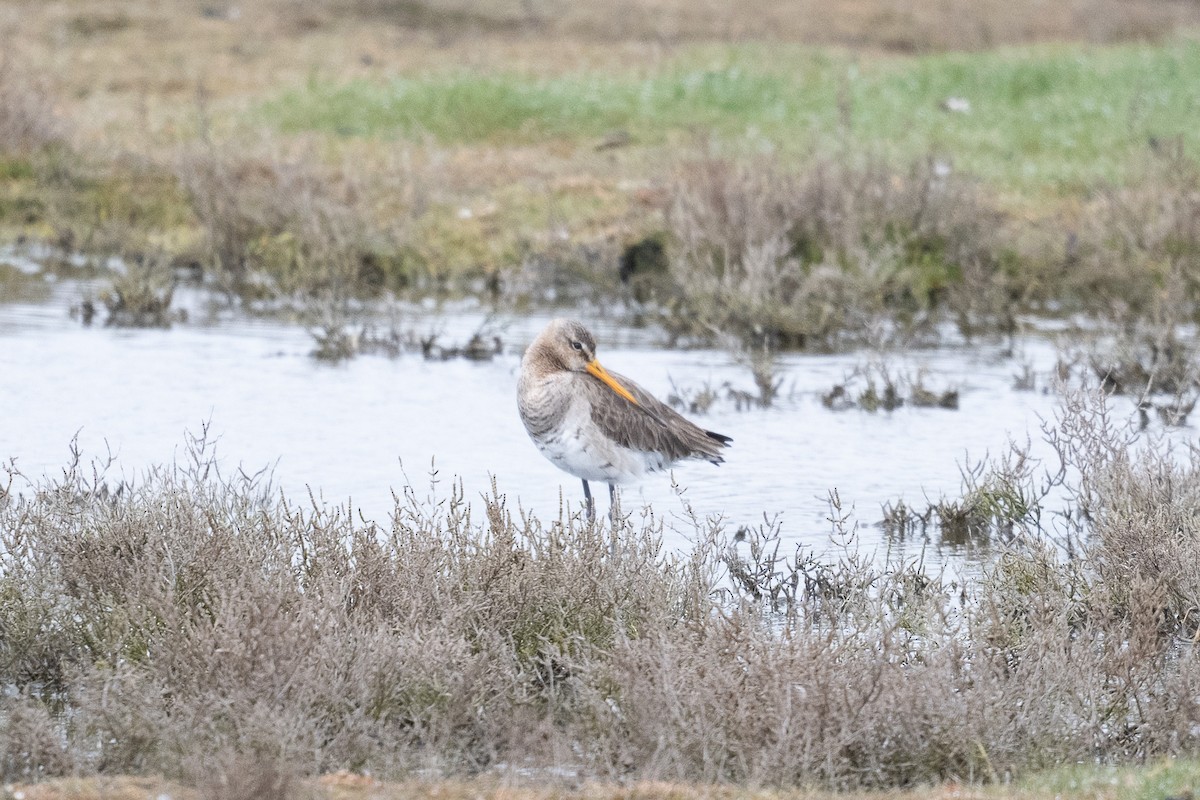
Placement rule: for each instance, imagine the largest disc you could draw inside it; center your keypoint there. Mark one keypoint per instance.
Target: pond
(359, 431)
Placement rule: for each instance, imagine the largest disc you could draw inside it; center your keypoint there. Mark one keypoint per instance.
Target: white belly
(577, 447)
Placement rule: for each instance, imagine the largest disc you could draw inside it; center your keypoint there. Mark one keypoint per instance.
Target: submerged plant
(139, 295)
(881, 390)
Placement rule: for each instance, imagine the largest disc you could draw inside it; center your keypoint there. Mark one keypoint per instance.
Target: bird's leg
(612, 520)
(587, 497)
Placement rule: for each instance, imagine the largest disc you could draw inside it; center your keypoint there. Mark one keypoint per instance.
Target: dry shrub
(1138, 498)
(248, 778)
(831, 255)
(879, 678)
(1136, 255)
(193, 616)
(1133, 266)
(31, 747)
(278, 227)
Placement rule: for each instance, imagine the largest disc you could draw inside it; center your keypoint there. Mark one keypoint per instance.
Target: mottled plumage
(597, 425)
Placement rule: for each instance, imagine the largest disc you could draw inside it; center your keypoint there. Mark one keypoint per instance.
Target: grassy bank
(1044, 120)
(520, 151)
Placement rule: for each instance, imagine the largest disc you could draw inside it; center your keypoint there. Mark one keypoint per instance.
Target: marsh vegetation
(871, 177)
(1061, 176)
(185, 619)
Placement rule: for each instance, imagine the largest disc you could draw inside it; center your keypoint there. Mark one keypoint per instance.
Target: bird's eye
(577, 345)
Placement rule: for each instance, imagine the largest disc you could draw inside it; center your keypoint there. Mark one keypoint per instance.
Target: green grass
(1059, 117)
(464, 107)
(1064, 116)
(1154, 781)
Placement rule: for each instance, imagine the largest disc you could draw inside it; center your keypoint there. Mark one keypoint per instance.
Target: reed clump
(1132, 268)
(827, 255)
(874, 387)
(1133, 256)
(277, 228)
(765, 258)
(140, 295)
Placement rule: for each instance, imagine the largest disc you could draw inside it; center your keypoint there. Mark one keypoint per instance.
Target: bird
(599, 425)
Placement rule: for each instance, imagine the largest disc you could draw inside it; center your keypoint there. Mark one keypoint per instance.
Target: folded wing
(651, 425)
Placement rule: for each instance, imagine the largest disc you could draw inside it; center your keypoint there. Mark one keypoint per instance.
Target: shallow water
(353, 432)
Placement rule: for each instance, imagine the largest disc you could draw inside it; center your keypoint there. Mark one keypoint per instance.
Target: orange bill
(594, 368)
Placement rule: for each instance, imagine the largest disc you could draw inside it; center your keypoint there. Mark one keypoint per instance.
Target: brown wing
(650, 425)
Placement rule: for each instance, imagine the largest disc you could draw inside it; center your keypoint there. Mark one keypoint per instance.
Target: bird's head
(566, 345)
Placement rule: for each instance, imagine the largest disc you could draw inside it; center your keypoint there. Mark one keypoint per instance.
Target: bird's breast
(566, 435)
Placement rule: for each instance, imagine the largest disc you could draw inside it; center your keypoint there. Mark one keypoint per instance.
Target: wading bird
(598, 425)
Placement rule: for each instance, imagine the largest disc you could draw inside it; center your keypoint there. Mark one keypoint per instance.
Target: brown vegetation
(766, 258)
(135, 139)
(777, 258)
(186, 613)
(27, 118)
(1132, 267)
(201, 627)
(903, 25)
(274, 228)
